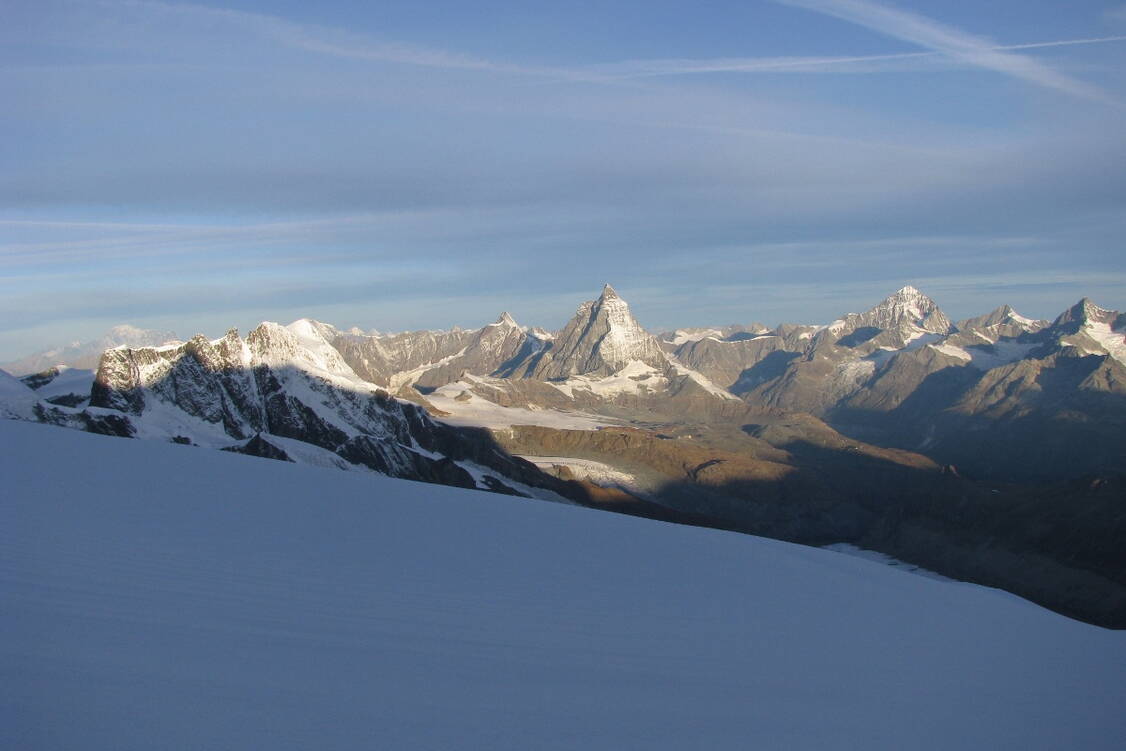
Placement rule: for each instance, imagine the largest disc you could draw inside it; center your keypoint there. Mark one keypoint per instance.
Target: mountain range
(991, 449)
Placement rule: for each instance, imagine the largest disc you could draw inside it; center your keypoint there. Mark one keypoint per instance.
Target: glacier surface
(161, 596)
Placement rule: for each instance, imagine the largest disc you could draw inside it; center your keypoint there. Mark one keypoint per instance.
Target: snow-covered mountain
(86, 355)
(906, 314)
(1002, 316)
(69, 387)
(17, 401)
(429, 359)
(600, 340)
(287, 393)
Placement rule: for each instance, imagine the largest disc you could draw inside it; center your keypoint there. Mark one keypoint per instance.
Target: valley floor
(160, 596)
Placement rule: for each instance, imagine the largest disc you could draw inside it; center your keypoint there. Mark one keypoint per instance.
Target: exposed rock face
(601, 339)
(491, 350)
(727, 362)
(288, 381)
(1007, 397)
(429, 359)
(1002, 316)
(381, 358)
(841, 359)
(1092, 329)
(905, 312)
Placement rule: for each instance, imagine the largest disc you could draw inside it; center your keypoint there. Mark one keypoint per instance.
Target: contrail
(953, 42)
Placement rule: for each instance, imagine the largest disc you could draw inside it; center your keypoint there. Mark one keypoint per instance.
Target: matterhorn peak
(506, 319)
(602, 338)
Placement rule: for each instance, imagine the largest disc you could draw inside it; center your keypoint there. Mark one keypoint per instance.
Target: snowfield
(155, 596)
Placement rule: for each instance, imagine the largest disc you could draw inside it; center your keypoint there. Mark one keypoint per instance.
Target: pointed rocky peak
(600, 339)
(1086, 311)
(1002, 316)
(197, 343)
(506, 320)
(904, 309)
(1098, 329)
(907, 301)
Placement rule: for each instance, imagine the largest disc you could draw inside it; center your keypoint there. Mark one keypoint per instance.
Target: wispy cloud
(948, 45)
(903, 61)
(951, 41)
(339, 43)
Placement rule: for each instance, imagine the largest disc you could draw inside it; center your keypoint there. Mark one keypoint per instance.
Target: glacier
(163, 596)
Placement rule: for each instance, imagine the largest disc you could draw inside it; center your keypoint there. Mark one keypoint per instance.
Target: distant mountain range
(87, 355)
(992, 449)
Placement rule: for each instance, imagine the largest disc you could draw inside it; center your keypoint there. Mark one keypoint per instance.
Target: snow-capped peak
(602, 338)
(506, 319)
(1085, 311)
(303, 344)
(907, 308)
(1106, 329)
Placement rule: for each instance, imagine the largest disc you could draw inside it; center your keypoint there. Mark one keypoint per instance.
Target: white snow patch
(162, 421)
(703, 381)
(682, 336)
(950, 349)
(17, 401)
(479, 473)
(1002, 352)
(313, 456)
(982, 336)
(68, 381)
(473, 410)
(1112, 341)
(635, 377)
(407, 378)
(848, 375)
(586, 469)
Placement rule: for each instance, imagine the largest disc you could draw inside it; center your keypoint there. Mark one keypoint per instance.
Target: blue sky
(405, 165)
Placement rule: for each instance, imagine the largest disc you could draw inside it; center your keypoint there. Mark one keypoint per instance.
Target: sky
(193, 166)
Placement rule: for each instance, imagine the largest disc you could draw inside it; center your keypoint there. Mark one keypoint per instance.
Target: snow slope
(159, 596)
(16, 399)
